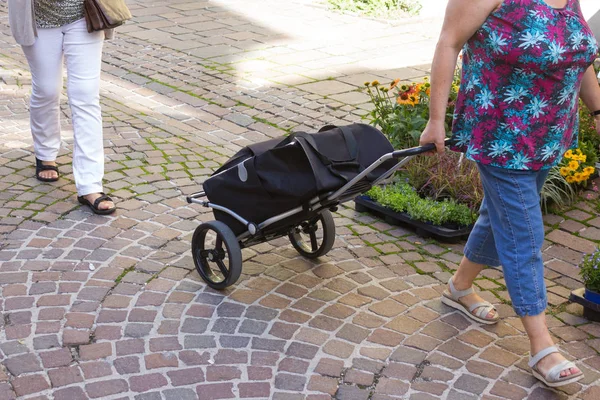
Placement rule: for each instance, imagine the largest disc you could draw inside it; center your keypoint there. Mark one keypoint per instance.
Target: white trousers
(82, 52)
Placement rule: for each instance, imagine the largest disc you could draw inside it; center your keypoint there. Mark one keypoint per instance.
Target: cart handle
(413, 151)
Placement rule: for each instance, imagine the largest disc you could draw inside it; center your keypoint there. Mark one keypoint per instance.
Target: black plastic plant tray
(591, 310)
(366, 204)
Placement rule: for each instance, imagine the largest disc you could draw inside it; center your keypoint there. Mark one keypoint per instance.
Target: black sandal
(96, 203)
(39, 167)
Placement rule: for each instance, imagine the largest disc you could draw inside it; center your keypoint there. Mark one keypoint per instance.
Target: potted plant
(589, 295)
(438, 196)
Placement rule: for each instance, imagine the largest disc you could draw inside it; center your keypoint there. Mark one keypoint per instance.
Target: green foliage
(588, 137)
(590, 270)
(378, 8)
(401, 110)
(402, 197)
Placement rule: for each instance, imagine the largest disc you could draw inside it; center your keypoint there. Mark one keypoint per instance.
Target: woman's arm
(463, 18)
(590, 93)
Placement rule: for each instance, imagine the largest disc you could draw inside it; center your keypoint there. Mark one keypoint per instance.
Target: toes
(569, 372)
(105, 205)
(47, 175)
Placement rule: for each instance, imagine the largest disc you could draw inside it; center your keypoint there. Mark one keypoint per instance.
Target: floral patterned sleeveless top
(517, 106)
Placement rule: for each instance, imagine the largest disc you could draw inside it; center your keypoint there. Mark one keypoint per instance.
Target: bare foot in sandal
(46, 171)
(465, 299)
(552, 368)
(98, 202)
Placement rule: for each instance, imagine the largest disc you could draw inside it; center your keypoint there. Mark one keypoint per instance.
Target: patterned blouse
(518, 100)
(57, 13)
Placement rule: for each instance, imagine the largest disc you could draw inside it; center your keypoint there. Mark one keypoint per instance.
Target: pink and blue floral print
(518, 99)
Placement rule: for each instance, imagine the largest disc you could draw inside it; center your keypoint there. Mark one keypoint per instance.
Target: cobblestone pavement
(111, 307)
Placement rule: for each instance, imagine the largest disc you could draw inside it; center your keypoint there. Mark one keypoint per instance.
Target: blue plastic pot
(592, 296)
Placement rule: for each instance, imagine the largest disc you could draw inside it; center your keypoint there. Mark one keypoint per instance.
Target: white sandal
(452, 299)
(553, 378)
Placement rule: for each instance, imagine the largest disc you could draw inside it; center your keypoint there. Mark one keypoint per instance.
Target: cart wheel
(219, 267)
(309, 240)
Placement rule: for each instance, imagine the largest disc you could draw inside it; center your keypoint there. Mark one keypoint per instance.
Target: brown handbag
(105, 14)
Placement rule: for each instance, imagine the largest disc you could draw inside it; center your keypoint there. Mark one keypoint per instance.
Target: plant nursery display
(401, 111)
(439, 196)
(589, 295)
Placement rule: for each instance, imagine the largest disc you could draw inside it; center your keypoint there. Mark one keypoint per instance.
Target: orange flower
(394, 83)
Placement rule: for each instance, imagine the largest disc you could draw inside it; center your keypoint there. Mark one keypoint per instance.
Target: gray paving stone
(180, 394)
(252, 327)
(199, 342)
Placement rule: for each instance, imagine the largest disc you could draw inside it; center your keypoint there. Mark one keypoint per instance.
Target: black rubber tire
(313, 249)
(203, 257)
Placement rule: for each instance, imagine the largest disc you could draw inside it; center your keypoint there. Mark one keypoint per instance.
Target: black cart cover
(269, 178)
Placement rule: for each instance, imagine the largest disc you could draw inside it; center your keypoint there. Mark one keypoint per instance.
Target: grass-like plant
(556, 191)
(446, 176)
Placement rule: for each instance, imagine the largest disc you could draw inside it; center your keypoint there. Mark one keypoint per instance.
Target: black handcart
(288, 187)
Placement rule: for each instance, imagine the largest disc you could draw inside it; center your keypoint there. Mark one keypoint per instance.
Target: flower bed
(401, 111)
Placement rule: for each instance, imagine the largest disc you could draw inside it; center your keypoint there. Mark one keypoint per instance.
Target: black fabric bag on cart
(269, 178)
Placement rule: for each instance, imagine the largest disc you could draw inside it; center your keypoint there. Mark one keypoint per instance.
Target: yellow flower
(579, 177)
(589, 170)
(367, 84)
(573, 165)
(569, 154)
(404, 87)
(564, 171)
(375, 83)
(570, 179)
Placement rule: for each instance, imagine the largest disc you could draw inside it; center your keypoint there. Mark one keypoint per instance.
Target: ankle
(536, 346)
(460, 283)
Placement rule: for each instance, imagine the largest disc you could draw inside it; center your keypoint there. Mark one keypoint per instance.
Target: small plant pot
(443, 233)
(591, 309)
(592, 296)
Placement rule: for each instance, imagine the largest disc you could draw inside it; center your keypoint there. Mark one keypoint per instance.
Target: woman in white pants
(62, 35)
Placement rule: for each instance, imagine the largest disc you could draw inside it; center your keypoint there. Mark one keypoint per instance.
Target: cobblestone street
(111, 307)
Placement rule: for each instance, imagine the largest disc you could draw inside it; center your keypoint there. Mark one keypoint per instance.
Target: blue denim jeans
(510, 232)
